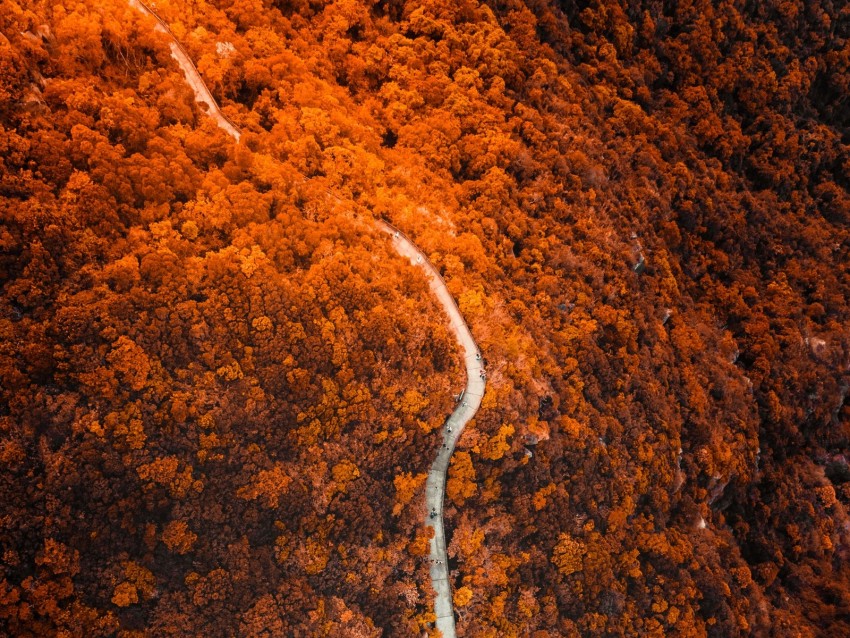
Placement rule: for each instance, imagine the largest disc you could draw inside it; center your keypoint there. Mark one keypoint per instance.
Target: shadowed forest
(220, 389)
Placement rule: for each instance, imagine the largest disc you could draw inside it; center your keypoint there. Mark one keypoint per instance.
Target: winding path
(435, 486)
(468, 405)
(190, 72)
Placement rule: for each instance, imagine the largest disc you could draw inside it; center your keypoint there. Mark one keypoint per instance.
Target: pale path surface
(190, 72)
(435, 487)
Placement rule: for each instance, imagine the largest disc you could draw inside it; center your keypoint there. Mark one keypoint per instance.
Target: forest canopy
(220, 387)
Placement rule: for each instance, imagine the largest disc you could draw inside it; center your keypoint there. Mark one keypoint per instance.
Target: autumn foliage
(220, 389)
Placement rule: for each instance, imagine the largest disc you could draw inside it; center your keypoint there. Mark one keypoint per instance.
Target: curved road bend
(435, 487)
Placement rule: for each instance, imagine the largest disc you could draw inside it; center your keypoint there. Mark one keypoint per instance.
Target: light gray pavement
(435, 486)
(193, 78)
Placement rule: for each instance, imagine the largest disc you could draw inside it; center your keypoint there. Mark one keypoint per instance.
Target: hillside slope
(642, 209)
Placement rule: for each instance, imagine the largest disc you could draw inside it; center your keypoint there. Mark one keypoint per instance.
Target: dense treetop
(219, 387)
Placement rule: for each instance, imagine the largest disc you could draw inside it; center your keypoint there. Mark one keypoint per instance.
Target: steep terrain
(642, 209)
